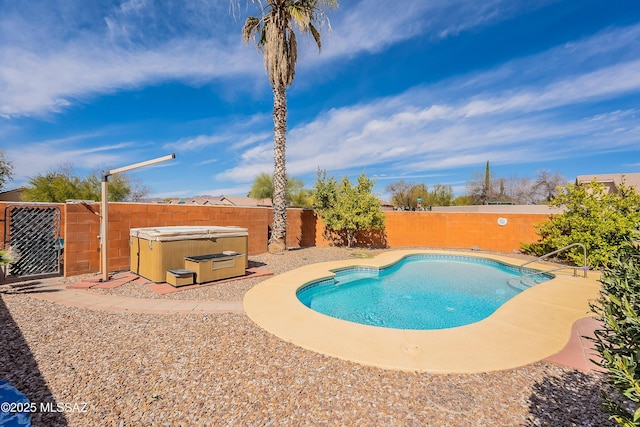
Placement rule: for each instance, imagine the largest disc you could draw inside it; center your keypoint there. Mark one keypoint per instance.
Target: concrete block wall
(304, 229)
(301, 228)
(462, 230)
(81, 239)
(453, 230)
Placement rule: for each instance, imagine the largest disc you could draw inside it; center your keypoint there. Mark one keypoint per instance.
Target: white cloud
(373, 25)
(196, 142)
(603, 83)
(467, 120)
(39, 83)
(38, 158)
(71, 54)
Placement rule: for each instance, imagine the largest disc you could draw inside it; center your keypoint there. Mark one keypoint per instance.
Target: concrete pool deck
(532, 326)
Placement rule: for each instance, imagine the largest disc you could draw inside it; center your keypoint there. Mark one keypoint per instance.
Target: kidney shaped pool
(424, 291)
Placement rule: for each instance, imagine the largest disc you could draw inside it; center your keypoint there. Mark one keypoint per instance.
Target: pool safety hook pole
(104, 219)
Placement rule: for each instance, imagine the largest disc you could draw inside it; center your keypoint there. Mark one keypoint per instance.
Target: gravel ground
(235, 290)
(142, 369)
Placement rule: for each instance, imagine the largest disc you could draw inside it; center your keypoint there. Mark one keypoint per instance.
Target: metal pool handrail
(584, 267)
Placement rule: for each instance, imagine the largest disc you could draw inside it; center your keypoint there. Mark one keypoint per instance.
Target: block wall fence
(81, 228)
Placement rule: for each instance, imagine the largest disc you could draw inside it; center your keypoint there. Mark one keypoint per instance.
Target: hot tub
(154, 250)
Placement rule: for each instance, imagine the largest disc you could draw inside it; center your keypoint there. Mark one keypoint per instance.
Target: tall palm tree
(273, 31)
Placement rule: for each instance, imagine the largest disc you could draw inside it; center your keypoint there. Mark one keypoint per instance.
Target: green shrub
(348, 211)
(618, 342)
(7, 256)
(599, 220)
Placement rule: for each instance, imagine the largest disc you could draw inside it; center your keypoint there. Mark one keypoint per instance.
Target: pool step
(524, 283)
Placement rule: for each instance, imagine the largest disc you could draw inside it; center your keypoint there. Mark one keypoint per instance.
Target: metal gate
(33, 234)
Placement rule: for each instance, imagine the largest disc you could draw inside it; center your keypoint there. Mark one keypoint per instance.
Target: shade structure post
(104, 226)
(104, 223)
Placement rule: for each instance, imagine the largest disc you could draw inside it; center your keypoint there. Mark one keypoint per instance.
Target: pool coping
(533, 325)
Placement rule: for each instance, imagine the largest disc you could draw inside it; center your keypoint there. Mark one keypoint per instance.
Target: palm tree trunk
(277, 244)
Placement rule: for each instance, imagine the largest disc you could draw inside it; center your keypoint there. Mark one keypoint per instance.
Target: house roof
(222, 201)
(630, 179)
(246, 201)
(12, 195)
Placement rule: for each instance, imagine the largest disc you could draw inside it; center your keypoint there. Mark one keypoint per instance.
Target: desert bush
(618, 342)
(349, 211)
(600, 220)
(7, 255)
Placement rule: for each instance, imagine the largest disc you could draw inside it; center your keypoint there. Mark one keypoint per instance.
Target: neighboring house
(12, 195)
(246, 201)
(612, 180)
(221, 201)
(386, 206)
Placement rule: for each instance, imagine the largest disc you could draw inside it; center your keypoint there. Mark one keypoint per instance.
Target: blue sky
(424, 90)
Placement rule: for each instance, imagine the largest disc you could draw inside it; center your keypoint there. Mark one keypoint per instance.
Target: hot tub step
(216, 266)
(181, 277)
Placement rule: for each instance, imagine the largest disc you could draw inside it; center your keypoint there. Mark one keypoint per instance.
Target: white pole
(104, 224)
(142, 164)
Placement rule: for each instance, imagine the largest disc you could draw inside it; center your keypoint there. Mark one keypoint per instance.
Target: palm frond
(301, 16)
(250, 28)
(316, 36)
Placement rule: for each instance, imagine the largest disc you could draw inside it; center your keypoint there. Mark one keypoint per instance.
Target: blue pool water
(418, 292)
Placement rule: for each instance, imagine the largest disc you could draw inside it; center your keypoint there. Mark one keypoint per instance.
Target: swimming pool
(532, 325)
(419, 292)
